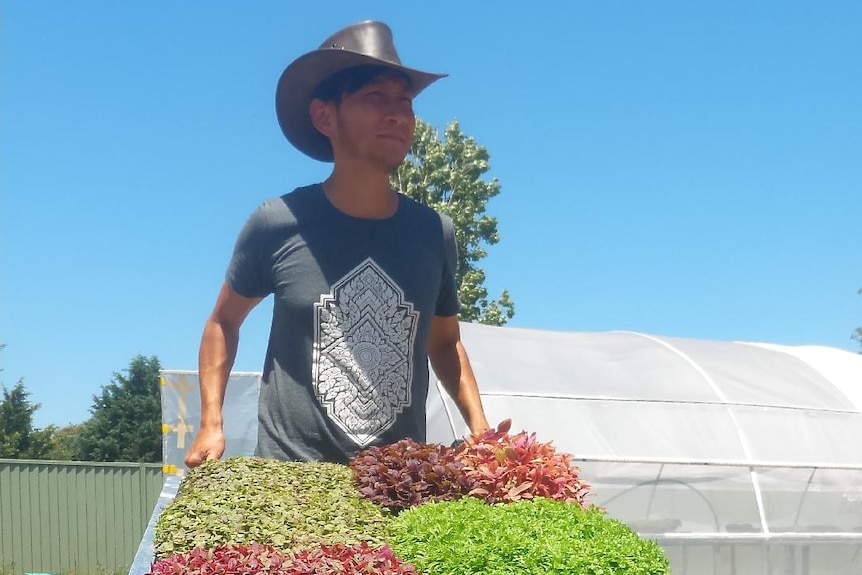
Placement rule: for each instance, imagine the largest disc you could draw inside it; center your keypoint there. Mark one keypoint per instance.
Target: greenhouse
(737, 458)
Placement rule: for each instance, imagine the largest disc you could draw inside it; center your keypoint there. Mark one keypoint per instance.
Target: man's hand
(208, 444)
(215, 360)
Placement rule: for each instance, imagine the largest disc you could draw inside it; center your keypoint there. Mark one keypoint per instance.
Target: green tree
(42, 444)
(16, 421)
(126, 418)
(62, 443)
(447, 175)
(18, 438)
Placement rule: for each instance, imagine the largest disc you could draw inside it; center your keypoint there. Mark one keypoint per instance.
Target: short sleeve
(447, 299)
(250, 270)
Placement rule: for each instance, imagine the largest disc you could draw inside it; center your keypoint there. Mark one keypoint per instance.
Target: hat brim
(298, 82)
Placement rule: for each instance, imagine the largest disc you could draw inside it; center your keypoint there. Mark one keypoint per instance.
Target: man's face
(375, 124)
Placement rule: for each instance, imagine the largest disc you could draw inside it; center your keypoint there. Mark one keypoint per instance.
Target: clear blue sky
(688, 169)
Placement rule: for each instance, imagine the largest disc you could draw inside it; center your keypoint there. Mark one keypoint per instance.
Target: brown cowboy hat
(364, 43)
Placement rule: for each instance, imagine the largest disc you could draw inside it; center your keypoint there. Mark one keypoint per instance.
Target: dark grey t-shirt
(346, 366)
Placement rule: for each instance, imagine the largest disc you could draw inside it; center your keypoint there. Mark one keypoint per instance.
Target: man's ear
(322, 116)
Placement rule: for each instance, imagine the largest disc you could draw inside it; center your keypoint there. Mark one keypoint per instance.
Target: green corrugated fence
(79, 517)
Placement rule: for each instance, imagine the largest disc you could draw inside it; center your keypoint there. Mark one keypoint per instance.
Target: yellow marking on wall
(182, 385)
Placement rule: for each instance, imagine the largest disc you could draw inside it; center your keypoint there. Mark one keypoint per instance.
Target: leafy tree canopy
(16, 421)
(447, 175)
(18, 438)
(126, 418)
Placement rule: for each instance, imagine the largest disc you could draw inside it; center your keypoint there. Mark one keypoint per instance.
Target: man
(363, 278)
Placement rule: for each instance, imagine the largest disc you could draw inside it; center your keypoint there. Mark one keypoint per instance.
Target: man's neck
(361, 192)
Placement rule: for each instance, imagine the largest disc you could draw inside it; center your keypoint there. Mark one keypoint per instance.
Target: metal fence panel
(62, 516)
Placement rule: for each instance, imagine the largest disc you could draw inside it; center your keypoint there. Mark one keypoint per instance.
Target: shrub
(537, 537)
(287, 505)
(507, 468)
(406, 473)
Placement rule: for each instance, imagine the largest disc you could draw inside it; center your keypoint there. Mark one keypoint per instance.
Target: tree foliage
(63, 443)
(126, 418)
(18, 438)
(125, 424)
(16, 421)
(447, 175)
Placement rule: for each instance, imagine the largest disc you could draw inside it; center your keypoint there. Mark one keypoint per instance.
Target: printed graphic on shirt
(363, 352)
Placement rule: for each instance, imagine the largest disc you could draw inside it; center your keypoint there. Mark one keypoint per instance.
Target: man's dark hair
(351, 80)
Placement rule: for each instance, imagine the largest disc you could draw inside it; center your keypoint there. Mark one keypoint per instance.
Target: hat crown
(370, 38)
(368, 43)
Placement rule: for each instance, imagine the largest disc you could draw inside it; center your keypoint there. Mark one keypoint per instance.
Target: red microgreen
(406, 473)
(251, 559)
(349, 559)
(504, 468)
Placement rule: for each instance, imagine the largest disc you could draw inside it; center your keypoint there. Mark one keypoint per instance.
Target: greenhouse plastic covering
(736, 457)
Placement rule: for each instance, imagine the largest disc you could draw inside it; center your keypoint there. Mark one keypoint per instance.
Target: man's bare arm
(218, 349)
(452, 367)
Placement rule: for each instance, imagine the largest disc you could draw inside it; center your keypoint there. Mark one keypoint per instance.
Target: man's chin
(393, 162)
(393, 155)
(388, 160)
(394, 168)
